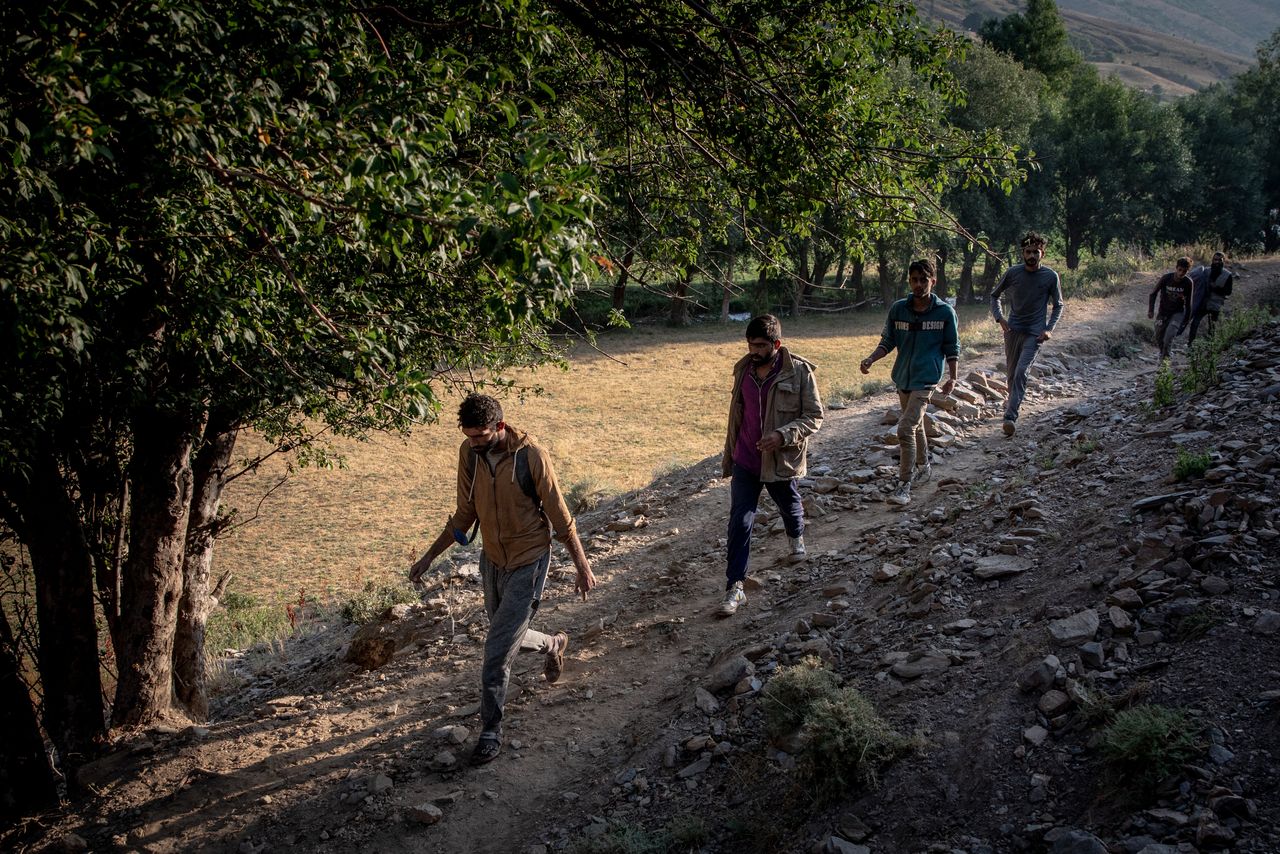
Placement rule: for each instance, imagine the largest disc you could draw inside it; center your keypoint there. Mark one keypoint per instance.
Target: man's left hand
(1044, 336)
(586, 580)
(948, 386)
(772, 442)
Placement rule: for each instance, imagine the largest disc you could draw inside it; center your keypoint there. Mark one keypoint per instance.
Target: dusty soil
(313, 754)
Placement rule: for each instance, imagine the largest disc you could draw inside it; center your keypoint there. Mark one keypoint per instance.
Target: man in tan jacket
(507, 487)
(774, 410)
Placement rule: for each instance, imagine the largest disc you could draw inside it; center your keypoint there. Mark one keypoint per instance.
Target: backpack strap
(525, 477)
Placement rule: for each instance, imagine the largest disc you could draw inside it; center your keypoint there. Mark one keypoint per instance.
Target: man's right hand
(1004, 324)
(419, 569)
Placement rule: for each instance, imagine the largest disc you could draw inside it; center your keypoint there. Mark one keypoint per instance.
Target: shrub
(1189, 465)
(1101, 276)
(684, 833)
(367, 605)
(1202, 363)
(787, 697)
(1146, 744)
(585, 494)
(1163, 394)
(846, 742)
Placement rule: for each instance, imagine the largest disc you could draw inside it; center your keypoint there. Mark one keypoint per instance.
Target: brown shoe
(554, 664)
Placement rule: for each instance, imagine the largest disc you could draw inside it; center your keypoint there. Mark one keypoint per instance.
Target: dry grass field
(653, 399)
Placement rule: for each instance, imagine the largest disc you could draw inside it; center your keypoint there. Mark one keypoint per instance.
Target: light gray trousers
(510, 599)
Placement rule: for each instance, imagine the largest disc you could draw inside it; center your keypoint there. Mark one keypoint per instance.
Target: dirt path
(311, 756)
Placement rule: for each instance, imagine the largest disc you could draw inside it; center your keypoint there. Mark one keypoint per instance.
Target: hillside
(1034, 589)
(1170, 47)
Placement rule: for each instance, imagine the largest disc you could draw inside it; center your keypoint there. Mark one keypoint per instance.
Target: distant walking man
(1031, 288)
(925, 332)
(1213, 286)
(1174, 292)
(774, 410)
(507, 486)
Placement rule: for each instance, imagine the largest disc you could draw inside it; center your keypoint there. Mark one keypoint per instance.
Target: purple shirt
(754, 393)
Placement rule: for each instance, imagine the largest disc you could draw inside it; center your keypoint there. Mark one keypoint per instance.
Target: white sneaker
(922, 474)
(733, 597)
(900, 496)
(797, 548)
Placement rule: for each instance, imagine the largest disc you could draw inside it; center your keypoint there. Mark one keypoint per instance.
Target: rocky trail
(1032, 580)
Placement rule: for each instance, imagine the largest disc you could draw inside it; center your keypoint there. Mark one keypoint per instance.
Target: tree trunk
(26, 779)
(800, 254)
(620, 286)
(1073, 249)
(886, 283)
(969, 256)
(48, 523)
(841, 265)
(762, 301)
(680, 299)
(857, 280)
(990, 267)
(209, 471)
(943, 286)
(161, 479)
(726, 290)
(818, 275)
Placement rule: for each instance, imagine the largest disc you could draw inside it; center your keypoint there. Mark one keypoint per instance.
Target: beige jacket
(515, 532)
(792, 407)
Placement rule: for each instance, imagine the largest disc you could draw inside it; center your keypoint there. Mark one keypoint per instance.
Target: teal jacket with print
(924, 341)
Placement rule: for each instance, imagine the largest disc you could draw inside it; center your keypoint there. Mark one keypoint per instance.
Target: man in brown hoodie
(507, 487)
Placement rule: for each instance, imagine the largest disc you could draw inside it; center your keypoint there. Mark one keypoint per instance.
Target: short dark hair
(479, 411)
(923, 265)
(1033, 239)
(765, 326)
(1184, 262)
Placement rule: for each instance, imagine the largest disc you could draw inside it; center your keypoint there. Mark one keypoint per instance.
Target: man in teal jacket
(925, 332)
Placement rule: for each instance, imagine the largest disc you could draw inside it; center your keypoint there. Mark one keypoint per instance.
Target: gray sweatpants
(510, 599)
(1020, 349)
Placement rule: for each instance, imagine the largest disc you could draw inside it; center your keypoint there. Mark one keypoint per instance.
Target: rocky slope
(1036, 586)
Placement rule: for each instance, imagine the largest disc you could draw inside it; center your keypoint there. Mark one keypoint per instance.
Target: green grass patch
(244, 621)
(1198, 623)
(367, 605)
(1188, 465)
(1101, 275)
(1145, 745)
(683, 834)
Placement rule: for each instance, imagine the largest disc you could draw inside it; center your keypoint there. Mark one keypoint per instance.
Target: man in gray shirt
(1030, 288)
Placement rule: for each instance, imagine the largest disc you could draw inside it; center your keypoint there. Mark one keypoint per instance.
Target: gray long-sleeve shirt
(1030, 293)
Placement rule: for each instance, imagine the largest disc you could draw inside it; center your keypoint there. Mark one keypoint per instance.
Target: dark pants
(744, 491)
(1195, 324)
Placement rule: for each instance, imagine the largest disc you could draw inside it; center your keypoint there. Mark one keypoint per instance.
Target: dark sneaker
(1009, 427)
(487, 750)
(554, 664)
(733, 597)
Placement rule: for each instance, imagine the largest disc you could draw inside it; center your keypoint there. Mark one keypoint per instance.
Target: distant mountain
(1167, 47)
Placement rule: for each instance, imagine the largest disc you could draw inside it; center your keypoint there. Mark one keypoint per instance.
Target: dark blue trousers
(744, 492)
